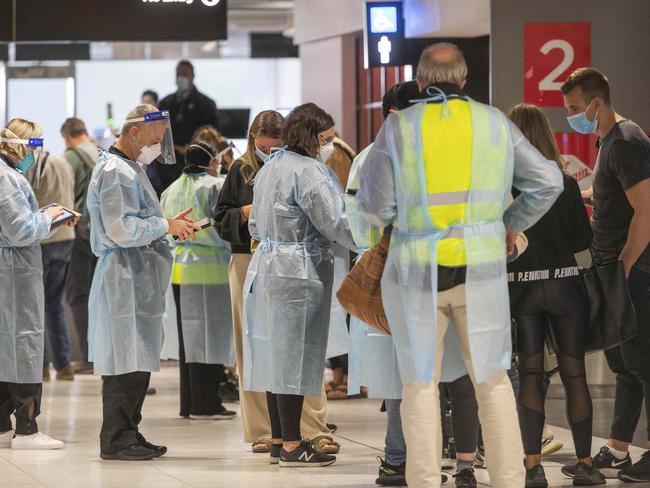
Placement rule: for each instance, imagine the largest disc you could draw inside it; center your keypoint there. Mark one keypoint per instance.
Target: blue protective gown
(409, 284)
(201, 271)
(298, 211)
(22, 227)
(127, 297)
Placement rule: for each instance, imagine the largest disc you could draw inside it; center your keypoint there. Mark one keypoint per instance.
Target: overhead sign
(119, 20)
(384, 34)
(551, 52)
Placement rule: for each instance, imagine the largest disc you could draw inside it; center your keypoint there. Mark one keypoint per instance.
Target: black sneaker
(332, 427)
(479, 458)
(535, 477)
(159, 450)
(305, 456)
(390, 475)
(588, 476)
(606, 463)
(276, 449)
(222, 413)
(135, 452)
(465, 478)
(448, 457)
(638, 472)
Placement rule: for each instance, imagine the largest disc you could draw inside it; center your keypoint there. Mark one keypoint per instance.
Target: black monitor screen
(120, 20)
(233, 122)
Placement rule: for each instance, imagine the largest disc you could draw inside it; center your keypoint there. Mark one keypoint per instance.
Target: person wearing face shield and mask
(200, 287)
(22, 227)
(127, 296)
(189, 110)
(298, 212)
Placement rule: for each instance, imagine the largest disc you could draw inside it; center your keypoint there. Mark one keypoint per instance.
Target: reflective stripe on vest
(211, 267)
(464, 157)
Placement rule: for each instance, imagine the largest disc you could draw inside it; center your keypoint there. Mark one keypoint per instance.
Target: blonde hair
(137, 113)
(268, 123)
(535, 127)
(18, 129)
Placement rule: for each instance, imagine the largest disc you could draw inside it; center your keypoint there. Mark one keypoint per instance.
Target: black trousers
(122, 399)
(464, 413)
(285, 412)
(631, 364)
(199, 382)
(80, 277)
(23, 400)
(560, 305)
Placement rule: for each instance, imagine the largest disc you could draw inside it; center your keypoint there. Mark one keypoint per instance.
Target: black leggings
(459, 395)
(285, 412)
(560, 305)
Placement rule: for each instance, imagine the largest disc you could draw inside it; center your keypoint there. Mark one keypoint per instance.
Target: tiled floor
(201, 453)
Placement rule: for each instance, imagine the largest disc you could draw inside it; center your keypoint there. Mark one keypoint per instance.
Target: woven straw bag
(360, 292)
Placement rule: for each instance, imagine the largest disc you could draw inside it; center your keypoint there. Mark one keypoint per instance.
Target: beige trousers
(497, 412)
(254, 410)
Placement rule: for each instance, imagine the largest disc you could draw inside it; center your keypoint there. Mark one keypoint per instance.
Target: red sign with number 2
(551, 52)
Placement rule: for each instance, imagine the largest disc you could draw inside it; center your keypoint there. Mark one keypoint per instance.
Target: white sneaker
(5, 439)
(38, 441)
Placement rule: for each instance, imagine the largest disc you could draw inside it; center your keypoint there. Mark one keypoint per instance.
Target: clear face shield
(155, 138)
(34, 151)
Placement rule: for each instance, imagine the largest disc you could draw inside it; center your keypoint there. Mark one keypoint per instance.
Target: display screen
(383, 20)
(120, 20)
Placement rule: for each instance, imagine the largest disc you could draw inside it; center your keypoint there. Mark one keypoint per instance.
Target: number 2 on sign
(549, 82)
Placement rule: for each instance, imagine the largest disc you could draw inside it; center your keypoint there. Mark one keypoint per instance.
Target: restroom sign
(383, 34)
(551, 52)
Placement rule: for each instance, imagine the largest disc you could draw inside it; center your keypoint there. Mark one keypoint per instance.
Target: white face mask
(148, 154)
(183, 83)
(261, 154)
(326, 151)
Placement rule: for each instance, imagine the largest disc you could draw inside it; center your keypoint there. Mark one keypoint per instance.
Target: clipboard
(64, 218)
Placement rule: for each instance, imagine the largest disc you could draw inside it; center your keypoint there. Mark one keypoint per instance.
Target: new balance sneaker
(638, 472)
(38, 441)
(465, 478)
(479, 458)
(274, 457)
(305, 456)
(390, 475)
(606, 463)
(535, 477)
(588, 476)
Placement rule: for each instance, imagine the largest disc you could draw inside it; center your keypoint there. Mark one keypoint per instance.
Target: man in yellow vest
(441, 172)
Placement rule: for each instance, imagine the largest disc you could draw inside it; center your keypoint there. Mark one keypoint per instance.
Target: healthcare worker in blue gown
(298, 211)
(22, 227)
(127, 297)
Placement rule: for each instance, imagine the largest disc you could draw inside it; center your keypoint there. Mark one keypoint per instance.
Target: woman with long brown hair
(546, 292)
(233, 210)
(298, 213)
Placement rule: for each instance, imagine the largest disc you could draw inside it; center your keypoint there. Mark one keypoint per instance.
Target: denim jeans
(395, 450)
(56, 263)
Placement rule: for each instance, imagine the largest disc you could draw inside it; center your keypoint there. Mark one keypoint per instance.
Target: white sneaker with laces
(5, 439)
(38, 441)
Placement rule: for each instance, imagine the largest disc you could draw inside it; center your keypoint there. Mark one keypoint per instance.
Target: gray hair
(442, 62)
(136, 113)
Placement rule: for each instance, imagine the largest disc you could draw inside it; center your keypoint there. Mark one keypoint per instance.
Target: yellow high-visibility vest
(449, 156)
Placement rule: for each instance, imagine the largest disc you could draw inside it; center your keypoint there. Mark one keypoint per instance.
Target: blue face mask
(581, 124)
(27, 162)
